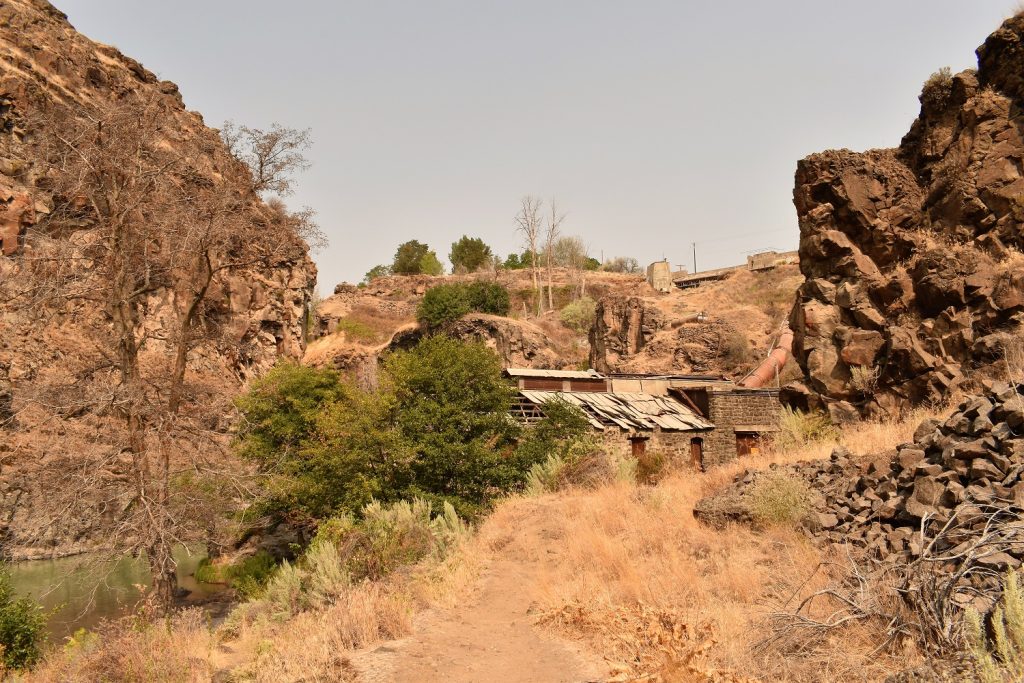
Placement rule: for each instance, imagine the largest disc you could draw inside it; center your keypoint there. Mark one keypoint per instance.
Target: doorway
(697, 453)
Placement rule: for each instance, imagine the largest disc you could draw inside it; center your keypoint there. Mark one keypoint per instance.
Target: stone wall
(674, 445)
(739, 407)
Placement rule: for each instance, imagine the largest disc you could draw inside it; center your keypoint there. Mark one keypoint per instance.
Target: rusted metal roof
(627, 410)
(554, 374)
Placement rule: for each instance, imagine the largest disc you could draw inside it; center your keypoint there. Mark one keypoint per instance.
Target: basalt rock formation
(259, 312)
(914, 281)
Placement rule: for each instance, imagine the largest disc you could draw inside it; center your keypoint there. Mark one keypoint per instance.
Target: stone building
(659, 276)
(700, 419)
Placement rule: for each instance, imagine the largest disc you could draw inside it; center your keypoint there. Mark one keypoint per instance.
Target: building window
(748, 443)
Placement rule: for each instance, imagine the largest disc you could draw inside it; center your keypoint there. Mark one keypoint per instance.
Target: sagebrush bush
(779, 499)
(999, 658)
(546, 476)
(579, 315)
(285, 592)
(863, 379)
(937, 89)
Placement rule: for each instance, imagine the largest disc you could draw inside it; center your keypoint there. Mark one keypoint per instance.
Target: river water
(83, 590)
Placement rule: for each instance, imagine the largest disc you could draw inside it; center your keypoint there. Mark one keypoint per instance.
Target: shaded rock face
(623, 326)
(911, 256)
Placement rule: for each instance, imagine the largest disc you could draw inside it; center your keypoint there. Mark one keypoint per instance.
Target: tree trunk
(165, 578)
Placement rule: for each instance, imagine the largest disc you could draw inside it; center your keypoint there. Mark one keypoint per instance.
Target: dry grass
(180, 649)
(624, 569)
(640, 581)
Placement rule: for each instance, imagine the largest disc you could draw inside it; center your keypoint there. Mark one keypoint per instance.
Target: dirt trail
(490, 637)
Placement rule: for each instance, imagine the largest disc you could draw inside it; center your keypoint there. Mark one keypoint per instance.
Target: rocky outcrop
(634, 334)
(622, 328)
(258, 314)
(914, 280)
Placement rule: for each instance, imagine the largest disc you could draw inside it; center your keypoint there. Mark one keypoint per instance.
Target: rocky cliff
(914, 279)
(720, 327)
(259, 311)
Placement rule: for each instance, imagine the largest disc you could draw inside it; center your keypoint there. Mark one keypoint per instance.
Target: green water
(81, 591)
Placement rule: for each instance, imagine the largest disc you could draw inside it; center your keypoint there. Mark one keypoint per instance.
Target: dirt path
(491, 637)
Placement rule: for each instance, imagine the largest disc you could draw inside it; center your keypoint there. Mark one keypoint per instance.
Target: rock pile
(953, 478)
(911, 255)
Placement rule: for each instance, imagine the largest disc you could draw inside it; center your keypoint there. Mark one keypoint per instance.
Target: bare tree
(551, 232)
(571, 253)
(272, 155)
(139, 248)
(529, 224)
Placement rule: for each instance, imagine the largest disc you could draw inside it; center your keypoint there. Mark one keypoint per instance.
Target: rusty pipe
(771, 366)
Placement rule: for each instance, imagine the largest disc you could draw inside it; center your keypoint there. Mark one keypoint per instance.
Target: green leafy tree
(591, 263)
(563, 428)
(430, 265)
(451, 404)
(520, 261)
(579, 315)
(438, 430)
(22, 627)
(280, 410)
(376, 272)
(469, 254)
(409, 257)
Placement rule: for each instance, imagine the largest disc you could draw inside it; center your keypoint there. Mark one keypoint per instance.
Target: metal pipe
(773, 364)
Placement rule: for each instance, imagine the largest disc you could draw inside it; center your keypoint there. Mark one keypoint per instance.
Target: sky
(656, 124)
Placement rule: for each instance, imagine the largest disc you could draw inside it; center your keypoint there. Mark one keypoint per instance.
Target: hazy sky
(654, 123)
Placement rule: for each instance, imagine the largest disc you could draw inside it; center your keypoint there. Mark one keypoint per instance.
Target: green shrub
(797, 428)
(431, 265)
(579, 315)
(488, 297)
(443, 304)
(22, 627)
(251, 576)
(1000, 658)
(779, 499)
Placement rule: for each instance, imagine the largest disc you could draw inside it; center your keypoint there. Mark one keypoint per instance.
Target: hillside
(634, 328)
(53, 83)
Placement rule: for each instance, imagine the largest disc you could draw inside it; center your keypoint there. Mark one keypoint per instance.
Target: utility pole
(694, 245)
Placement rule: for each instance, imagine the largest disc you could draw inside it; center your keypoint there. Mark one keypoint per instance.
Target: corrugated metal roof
(627, 410)
(554, 374)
